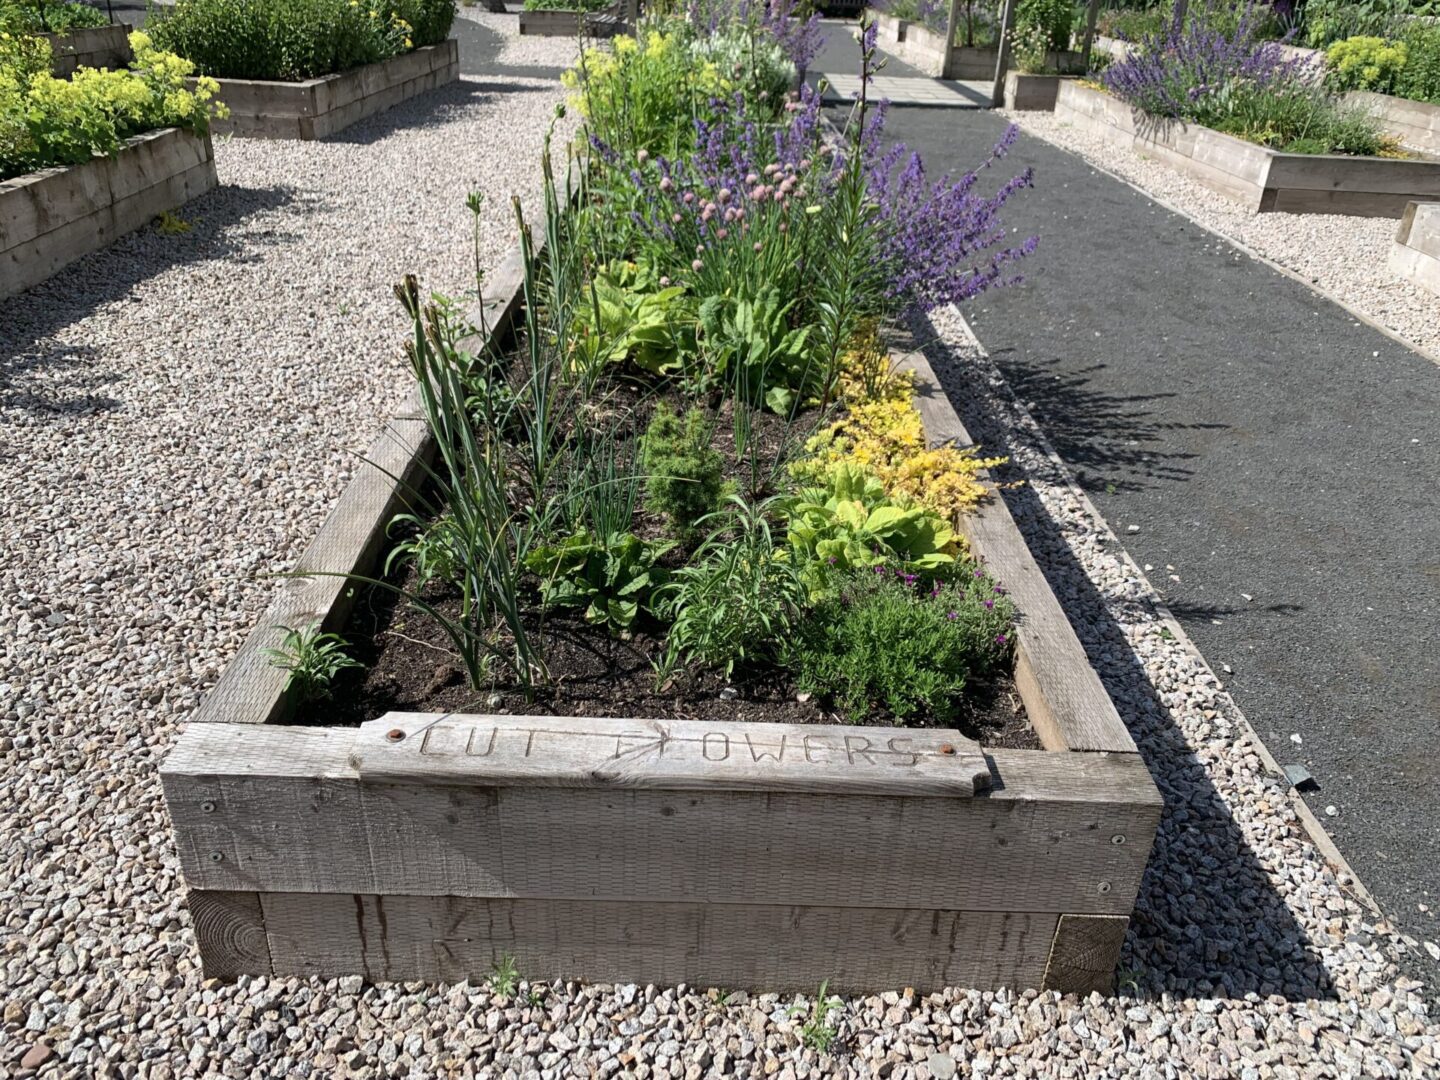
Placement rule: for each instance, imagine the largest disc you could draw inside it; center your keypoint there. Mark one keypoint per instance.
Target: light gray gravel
(180, 412)
(520, 51)
(1346, 256)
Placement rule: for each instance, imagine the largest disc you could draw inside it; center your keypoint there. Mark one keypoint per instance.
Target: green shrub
(884, 645)
(1053, 17)
(613, 578)
(1365, 63)
(686, 479)
(47, 16)
(1419, 79)
(1295, 117)
(735, 602)
(292, 40)
(46, 121)
(852, 524)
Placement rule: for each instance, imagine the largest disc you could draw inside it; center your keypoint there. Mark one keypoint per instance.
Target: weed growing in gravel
(504, 977)
(818, 1033)
(311, 659)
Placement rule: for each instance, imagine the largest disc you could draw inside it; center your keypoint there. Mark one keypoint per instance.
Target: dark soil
(410, 666)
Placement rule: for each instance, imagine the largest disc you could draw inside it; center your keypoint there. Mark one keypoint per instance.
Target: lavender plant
(1236, 83)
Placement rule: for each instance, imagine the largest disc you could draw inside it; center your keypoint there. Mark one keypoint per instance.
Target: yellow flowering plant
(46, 121)
(882, 433)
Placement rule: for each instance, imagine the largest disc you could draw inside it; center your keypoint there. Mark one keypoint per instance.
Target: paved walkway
(1277, 464)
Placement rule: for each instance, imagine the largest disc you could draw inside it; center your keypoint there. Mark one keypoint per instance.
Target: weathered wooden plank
(1415, 255)
(762, 946)
(1066, 701)
(251, 689)
(284, 810)
(1084, 953)
(316, 108)
(230, 929)
(670, 755)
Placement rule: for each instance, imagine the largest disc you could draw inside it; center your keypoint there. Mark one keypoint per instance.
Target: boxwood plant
(695, 441)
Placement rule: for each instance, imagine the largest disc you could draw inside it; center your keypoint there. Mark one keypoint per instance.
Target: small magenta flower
(953, 615)
(990, 604)
(979, 574)
(1001, 639)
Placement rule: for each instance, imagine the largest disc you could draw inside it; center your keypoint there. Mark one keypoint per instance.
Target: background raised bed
(1260, 178)
(89, 46)
(319, 107)
(53, 217)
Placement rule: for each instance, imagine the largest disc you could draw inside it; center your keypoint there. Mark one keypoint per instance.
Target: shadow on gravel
(434, 108)
(1208, 921)
(1114, 442)
(41, 375)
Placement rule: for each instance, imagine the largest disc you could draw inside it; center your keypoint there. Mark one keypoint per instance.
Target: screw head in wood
(1104, 887)
(395, 734)
(207, 807)
(1118, 838)
(216, 856)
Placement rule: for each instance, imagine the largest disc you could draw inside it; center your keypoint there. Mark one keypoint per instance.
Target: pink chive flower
(666, 184)
(689, 197)
(783, 227)
(697, 266)
(771, 169)
(642, 156)
(758, 247)
(675, 218)
(664, 283)
(752, 179)
(723, 194)
(722, 233)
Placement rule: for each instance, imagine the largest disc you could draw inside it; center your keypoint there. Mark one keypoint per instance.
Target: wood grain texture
(284, 810)
(761, 946)
(1066, 702)
(669, 755)
(230, 929)
(1084, 954)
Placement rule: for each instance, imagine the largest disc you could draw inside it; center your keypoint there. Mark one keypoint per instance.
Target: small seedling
(168, 224)
(504, 977)
(312, 659)
(817, 1033)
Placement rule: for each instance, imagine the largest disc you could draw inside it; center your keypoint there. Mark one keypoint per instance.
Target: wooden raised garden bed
(50, 218)
(1260, 178)
(89, 46)
(1032, 93)
(319, 107)
(596, 24)
(1415, 254)
(431, 845)
(1415, 123)
(925, 49)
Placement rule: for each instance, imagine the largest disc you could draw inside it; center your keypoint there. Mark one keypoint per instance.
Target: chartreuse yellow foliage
(47, 121)
(882, 433)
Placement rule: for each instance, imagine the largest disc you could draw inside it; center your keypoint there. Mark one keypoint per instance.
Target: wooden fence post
(1092, 16)
(1002, 62)
(947, 67)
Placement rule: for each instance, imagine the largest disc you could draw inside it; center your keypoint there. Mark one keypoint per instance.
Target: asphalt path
(1271, 462)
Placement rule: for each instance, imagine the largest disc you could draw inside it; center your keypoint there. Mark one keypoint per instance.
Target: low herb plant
(612, 578)
(311, 659)
(891, 645)
(818, 1033)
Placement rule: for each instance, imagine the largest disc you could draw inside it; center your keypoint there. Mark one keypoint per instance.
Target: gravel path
(180, 411)
(1345, 256)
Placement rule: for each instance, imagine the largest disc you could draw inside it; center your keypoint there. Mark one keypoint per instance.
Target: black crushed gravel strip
(1277, 458)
